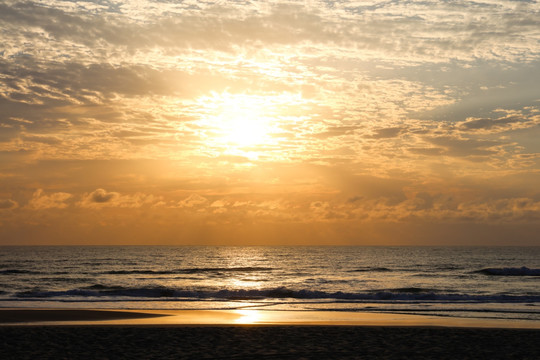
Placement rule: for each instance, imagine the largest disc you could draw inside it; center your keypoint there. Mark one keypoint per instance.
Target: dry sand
(165, 340)
(265, 342)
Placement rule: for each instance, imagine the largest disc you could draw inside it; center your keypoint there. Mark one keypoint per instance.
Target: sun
(254, 126)
(242, 121)
(237, 120)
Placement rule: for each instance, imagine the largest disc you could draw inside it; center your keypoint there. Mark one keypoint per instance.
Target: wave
(522, 271)
(65, 279)
(414, 290)
(138, 272)
(448, 267)
(17, 271)
(103, 287)
(188, 271)
(217, 270)
(109, 293)
(31, 272)
(371, 269)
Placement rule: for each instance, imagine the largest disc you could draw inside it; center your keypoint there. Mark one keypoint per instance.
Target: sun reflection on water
(248, 317)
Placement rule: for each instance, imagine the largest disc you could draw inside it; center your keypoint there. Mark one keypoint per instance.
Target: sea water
(479, 282)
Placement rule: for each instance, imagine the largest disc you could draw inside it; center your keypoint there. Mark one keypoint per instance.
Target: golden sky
(270, 122)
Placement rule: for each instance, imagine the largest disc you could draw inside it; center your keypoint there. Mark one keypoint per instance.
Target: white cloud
(41, 201)
(193, 200)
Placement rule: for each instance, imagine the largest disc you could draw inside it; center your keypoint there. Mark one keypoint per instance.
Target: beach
(84, 334)
(269, 303)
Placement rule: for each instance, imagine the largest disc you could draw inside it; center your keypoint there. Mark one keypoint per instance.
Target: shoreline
(104, 317)
(239, 334)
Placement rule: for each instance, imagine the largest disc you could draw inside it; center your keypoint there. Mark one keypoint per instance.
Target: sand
(36, 334)
(59, 315)
(243, 317)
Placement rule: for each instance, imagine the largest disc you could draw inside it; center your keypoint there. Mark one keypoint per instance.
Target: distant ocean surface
(480, 282)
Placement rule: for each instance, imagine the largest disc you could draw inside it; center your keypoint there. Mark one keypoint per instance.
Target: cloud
(219, 204)
(441, 31)
(374, 109)
(336, 131)
(423, 206)
(42, 201)
(387, 133)
(490, 125)
(193, 200)
(429, 151)
(50, 140)
(454, 146)
(6, 204)
(101, 198)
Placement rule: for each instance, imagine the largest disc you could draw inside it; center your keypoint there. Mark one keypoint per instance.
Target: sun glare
(248, 316)
(247, 124)
(237, 120)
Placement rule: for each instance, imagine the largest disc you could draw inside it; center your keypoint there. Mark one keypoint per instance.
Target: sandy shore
(14, 316)
(265, 342)
(242, 317)
(97, 334)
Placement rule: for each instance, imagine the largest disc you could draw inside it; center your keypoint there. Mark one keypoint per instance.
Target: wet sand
(242, 317)
(14, 316)
(87, 334)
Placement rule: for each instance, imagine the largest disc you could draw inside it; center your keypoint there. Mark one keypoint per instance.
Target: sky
(270, 122)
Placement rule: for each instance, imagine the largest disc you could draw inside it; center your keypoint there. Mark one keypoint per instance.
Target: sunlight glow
(248, 316)
(246, 124)
(238, 120)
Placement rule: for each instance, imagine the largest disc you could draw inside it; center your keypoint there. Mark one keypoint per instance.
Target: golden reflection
(248, 316)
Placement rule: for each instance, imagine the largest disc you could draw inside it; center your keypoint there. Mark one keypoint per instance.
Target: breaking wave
(188, 271)
(109, 293)
(371, 269)
(204, 270)
(522, 271)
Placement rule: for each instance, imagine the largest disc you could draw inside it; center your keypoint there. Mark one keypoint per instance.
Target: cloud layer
(355, 120)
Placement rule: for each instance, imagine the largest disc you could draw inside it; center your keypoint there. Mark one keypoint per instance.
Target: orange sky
(270, 122)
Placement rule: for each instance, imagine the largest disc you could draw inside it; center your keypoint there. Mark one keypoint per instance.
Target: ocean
(472, 282)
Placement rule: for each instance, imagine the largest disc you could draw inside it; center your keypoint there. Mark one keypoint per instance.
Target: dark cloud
(423, 201)
(7, 204)
(336, 131)
(465, 147)
(102, 196)
(81, 82)
(494, 125)
(386, 133)
(487, 123)
(354, 199)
